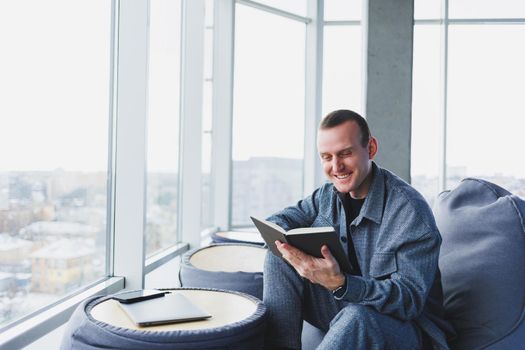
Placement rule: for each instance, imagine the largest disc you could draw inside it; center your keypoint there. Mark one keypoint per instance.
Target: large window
(486, 110)
(426, 110)
(55, 90)
(486, 9)
(468, 111)
(268, 113)
(342, 83)
(163, 125)
(342, 68)
(428, 9)
(342, 10)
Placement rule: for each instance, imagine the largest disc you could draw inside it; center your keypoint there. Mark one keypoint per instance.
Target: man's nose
(337, 164)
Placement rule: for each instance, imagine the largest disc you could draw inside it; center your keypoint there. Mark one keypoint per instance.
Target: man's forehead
(337, 139)
(334, 150)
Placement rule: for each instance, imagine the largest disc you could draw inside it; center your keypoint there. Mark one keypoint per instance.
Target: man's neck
(362, 192)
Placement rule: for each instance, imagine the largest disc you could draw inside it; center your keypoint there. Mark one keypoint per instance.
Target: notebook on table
(171, 308)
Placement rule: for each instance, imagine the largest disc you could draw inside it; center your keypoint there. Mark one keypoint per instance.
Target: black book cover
(308, 239)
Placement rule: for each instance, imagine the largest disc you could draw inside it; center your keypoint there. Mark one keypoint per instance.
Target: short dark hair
(341, 116)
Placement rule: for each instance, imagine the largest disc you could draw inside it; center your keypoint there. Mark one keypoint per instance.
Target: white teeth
(342, 176)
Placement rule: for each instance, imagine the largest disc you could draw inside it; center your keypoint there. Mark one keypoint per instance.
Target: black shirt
(352, 208)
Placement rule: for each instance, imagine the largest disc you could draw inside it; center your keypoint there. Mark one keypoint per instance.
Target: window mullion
(222, 110)
(312, 174)
(130, 152)
(192, 77)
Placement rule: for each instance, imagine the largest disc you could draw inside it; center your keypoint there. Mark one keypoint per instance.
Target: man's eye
(325, 157)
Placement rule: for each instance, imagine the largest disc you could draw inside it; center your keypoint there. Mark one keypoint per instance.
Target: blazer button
(343, 239)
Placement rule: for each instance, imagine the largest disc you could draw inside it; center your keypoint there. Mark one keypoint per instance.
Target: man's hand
(324, 271)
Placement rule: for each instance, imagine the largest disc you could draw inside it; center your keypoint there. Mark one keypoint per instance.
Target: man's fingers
(294, 256)
(287, 249)
(279, 246)
(307, 266)
(284, 249)
(328, 255)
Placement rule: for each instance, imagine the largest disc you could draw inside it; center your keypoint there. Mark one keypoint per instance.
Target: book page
(302, 230)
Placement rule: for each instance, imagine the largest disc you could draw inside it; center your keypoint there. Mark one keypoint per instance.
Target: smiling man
(392, 298)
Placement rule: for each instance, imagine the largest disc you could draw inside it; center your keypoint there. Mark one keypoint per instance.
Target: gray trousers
(289, 299)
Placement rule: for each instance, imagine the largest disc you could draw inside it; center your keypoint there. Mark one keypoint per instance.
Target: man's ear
(372, 147)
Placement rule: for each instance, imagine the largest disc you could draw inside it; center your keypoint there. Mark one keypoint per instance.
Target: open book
(308, 239)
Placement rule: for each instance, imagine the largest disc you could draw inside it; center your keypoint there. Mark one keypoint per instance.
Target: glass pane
(297, 7)
(54, 88)
(427, 9)
(485, 111)
(486, 9)
(426, 110)
(163, 125)
(343, 10)
(342, 83)
(268, 114)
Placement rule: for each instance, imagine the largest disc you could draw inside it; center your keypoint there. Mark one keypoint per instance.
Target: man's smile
(342, 176)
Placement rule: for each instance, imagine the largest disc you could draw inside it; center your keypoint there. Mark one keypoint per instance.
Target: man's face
(346, 163)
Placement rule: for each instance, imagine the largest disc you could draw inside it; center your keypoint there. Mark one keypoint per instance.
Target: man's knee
(354, 327)
(355, 314)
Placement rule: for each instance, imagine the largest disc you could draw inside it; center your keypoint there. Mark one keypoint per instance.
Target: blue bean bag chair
(241, 281)
(482, 262)
(83, 332)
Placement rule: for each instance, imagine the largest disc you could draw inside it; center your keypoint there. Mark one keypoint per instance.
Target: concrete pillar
(387, 78)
